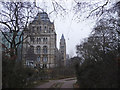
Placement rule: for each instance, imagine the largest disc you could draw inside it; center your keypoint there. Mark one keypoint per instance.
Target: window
(62, 47)
(49, 29)
(40, 28)
(32, 49)
(39, 40)
(45, 59)
(45, 49)
(38, 49)
(30, 63)
(32, 30)
(37, 29)
(38, 58)
(44, 66)
(44, 40)
(45, 29)
(32, 39)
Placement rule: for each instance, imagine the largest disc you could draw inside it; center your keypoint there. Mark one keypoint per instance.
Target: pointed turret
(62, 37)
(63, 49)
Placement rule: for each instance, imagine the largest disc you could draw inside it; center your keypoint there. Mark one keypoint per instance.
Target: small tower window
(37, 29)
(40, 28)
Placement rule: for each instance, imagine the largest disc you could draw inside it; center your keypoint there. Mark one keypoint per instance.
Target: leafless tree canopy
(14, 19)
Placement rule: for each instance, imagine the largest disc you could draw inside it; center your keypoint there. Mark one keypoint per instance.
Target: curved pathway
(62, 83)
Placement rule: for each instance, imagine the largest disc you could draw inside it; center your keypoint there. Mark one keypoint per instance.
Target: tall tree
(99, 54)
(14, 19)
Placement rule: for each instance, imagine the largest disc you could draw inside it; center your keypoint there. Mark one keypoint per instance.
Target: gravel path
(62, 83)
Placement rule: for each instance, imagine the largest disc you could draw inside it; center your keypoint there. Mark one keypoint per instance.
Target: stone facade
(63, 50)
(40, 46)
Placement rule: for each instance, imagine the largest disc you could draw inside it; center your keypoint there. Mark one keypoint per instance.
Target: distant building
(6, 46)
(62, 50)
(67, 56)
(39, 48)
(67, 59)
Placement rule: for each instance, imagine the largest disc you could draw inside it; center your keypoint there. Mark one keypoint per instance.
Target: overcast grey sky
(73, 32)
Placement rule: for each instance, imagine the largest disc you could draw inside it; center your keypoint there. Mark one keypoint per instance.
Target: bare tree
(14, 19)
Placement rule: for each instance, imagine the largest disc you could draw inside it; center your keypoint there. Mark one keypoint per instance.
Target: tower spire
(63, 49)
(62, 37)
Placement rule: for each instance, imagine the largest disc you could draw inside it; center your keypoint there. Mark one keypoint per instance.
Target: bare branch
(5, 23)
(5, 35)
(22, 40)
(99, 7)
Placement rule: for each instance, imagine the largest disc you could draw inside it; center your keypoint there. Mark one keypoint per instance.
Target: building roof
(62, 37)
(43, 16)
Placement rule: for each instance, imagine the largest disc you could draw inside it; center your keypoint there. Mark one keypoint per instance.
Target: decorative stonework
(42, 41)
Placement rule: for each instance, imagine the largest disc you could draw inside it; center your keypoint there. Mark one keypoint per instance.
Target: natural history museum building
(39, 47)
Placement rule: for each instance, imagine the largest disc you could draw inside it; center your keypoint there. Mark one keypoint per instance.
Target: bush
(98, 74)
(14, 75)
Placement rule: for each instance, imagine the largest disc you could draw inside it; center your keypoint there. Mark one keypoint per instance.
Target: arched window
(45, 59)
(38, 58)
(38, 40)
(32, 39)
(32, 49)
(44, 40)
(45, 49)
(38, 49)
(37, 29)
(45, 29)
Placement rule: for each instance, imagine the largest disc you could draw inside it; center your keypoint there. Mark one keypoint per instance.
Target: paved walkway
(62, 83)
